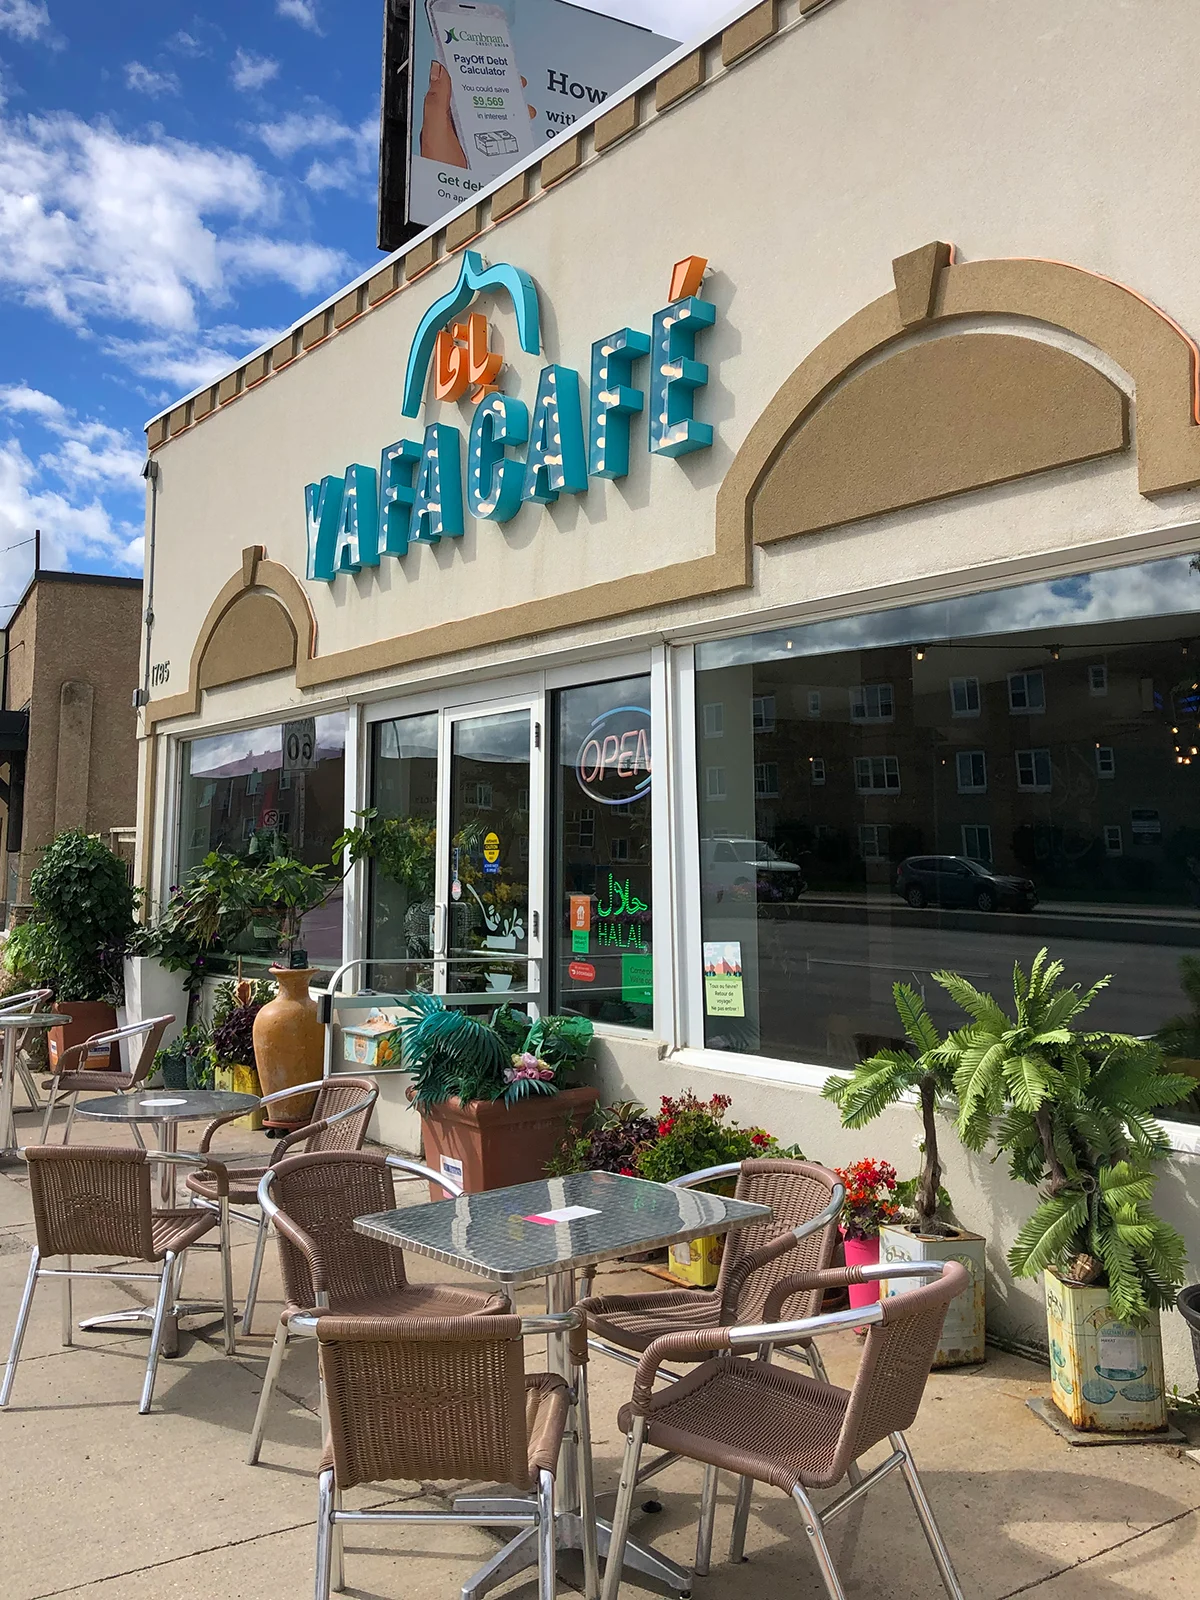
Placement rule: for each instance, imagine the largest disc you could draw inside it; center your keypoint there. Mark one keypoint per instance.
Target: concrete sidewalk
(106, 1505)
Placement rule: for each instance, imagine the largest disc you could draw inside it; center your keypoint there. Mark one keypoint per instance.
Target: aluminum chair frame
(262, 1223)
(540, 1518)
(764, 1338)
(134, 1079)
(169, 1281)
(18, 1002)
(306, 1326)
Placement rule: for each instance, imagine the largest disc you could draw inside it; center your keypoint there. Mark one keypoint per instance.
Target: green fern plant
(450, 1053)
(1074, 1113)
(887, 1077)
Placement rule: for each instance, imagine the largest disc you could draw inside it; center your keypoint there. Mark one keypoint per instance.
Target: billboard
(487, 85)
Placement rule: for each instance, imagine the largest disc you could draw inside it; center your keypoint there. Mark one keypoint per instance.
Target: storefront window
(951, 786)
(404, 795)
(601, 890)
(244, 792)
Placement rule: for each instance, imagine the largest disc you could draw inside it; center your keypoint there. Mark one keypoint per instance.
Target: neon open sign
(613, 765)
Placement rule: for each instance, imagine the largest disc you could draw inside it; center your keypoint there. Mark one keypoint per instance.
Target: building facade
(747, 558)
(68, 730)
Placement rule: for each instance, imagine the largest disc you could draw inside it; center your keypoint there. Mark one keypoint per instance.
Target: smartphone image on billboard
(491, 115)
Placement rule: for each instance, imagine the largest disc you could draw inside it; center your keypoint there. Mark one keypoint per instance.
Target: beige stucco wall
(1009, 128)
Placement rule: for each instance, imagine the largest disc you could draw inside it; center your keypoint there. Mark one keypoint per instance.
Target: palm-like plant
(1073, 1111)
(450, 1053)
(888, 1076)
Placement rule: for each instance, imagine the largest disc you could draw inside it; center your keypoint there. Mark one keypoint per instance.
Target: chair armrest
(572, 1322)
(291, 1230)
(418, 1170)
(842, 1278)
(180, 1158)
(690, 1180)
(781, 1244)
(17, 1002)
(298, 1135)
(128, 1031)
(217, 1122)
(286, 1094)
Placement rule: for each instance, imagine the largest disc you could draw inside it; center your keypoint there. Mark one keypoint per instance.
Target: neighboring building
(68, 730)
(880, 536)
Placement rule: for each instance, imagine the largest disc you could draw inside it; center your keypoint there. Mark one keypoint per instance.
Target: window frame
(1033, 753)
(885, 788)
(860, 694)
(970, 787)
(1025, 677)
(968, 711)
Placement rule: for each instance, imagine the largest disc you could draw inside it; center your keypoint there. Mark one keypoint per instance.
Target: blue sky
(176, 185)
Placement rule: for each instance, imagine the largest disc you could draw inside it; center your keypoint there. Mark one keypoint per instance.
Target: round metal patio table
(166, 1108)
(14, 1023)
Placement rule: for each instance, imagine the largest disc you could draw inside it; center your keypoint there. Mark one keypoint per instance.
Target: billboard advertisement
(490, 83)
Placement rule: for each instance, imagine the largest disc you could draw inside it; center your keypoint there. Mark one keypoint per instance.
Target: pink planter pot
(862, 1253)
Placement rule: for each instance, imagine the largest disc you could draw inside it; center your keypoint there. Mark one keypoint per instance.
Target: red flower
(628, 1172)
(665, 1126)
(760, 1139)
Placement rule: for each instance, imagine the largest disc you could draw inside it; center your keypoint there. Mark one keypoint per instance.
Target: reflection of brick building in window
(1031, 757)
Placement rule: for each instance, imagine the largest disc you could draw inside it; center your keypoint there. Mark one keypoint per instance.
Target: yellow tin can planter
(223, 1077)
(245, 1081)
(699, 1261)
(963, 1332)
(1106, 1376)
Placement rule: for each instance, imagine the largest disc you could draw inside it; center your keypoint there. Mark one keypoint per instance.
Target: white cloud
(186, 44)
(88, 451)
(302, 11)
(353, 150)
(75, 536)
(146, 81)
(94, 224)
(187, 363)
(249, 72)
(24, 19)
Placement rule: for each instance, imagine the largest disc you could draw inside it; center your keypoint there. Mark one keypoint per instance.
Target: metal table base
(521, 1552)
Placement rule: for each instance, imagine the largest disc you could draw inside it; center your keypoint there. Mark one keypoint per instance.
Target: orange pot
(289, 1045)
(498, 1144)
(87, 1018)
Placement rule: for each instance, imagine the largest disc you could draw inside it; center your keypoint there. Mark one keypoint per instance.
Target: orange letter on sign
(450, 378)
(483, 364)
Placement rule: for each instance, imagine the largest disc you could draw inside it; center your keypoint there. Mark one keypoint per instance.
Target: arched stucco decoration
(260, 622)
(933, 292)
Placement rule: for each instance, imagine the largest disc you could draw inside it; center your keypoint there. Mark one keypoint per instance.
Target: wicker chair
(329, 1267)
(800, 1236)
(424, 1398)
(340, 1117)
(94, 1200)
(775, 1425)
(72, 1078)
(27, 999)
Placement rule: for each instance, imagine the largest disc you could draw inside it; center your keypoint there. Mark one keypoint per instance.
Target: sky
(176, 187)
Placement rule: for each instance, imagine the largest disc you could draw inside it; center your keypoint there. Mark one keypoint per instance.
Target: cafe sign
(511, 455)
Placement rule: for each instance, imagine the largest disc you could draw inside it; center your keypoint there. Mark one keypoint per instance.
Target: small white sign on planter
(962, 1342)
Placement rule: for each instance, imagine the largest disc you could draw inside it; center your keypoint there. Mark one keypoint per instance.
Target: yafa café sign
(513, 455)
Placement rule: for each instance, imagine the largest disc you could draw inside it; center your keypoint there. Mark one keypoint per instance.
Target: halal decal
(415, 495)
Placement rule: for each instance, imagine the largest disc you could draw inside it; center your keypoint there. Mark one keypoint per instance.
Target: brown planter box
(87, 1017)
(498, 1144)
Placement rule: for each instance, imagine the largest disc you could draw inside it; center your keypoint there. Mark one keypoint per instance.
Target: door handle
(439, 930)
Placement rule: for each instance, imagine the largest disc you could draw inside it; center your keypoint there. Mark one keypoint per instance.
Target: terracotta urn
(289, 1045)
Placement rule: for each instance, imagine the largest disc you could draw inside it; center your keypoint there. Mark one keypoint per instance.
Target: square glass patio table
(557, 1225)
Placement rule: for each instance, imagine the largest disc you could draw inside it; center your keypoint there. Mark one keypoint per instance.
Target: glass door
(489, 890)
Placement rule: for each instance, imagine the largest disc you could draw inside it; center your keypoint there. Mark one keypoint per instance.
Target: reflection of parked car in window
(960, 881)
(738, 865)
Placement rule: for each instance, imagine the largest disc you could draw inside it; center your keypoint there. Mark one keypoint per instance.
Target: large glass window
(601, 896)
(404, 753)
(1012, 769)
(245, 792)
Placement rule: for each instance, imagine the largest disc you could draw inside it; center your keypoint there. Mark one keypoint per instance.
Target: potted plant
(187, 1062)
(924, 1069)
(235, 1007)
(160, 977)
(693, 1134)
(1072, 1110)
(494, 1096)
(73, 942)
(869, 1204)
(611, 1142)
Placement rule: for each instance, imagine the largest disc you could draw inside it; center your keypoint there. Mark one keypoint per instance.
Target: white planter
(152, 991)
(962, 1342)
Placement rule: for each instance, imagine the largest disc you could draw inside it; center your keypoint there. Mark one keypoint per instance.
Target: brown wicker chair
(94, 1200)
(775, 1425)
(340, 1117)
(71, 1078)
(800, 1236)
(312, 1200)
(424, 1398)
